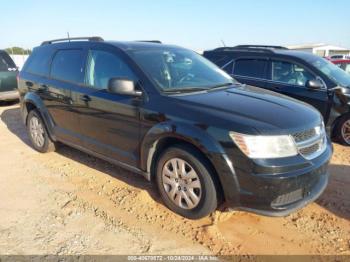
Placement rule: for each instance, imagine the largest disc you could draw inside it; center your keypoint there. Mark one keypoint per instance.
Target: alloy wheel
(345, 131)
(37, 131)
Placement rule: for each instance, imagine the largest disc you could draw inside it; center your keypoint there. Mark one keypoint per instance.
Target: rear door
(289, 78)
(109, 122)
(67, 73)
(251, 71)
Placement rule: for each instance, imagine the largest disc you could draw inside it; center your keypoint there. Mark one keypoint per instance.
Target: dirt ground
(70, 203)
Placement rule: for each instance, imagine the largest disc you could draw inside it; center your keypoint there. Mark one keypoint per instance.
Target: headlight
(265, 146)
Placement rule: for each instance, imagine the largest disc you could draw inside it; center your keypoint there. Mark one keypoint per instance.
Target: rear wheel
(38, 134)
(185, 182)
(343, 130)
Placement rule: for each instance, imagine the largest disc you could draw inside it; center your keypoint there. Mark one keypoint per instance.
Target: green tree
(18, 51)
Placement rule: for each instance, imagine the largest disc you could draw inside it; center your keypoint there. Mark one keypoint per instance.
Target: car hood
(248, 109)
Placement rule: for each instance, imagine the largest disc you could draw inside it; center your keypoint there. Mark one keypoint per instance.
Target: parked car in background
(343, 64)
(8, 81)
(169, 114)
(301, 75)
(337, 57)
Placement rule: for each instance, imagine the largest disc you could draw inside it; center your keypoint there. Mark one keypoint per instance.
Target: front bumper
(273, 187)
(294, 200)
(9, 95)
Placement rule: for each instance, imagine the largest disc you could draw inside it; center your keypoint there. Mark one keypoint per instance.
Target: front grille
(311, 143)
(310, 149)
(302, 136)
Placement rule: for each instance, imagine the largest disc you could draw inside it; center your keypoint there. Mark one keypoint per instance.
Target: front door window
(290, 73)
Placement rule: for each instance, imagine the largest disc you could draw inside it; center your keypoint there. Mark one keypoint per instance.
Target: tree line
(18, 51)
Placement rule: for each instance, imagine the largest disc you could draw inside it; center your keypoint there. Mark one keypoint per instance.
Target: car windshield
(5, 62)
(180, 70)
(339, 76)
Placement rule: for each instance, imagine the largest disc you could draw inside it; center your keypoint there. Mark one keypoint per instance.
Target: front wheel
(186, 183)
(38, 134)
(343, 130)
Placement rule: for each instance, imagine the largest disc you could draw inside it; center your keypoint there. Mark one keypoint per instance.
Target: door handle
(85, 98)
(43, 88)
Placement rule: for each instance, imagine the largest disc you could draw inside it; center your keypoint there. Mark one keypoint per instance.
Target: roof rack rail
(259, 48)
(150, 41)
(262, 46)
(89, 38)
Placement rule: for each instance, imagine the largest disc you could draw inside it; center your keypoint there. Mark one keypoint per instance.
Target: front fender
(185, 132)
(35, 100)
(198, 137)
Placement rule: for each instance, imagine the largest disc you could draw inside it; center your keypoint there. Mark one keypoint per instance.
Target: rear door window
(255, 68)
(68, 65)
(290, 73)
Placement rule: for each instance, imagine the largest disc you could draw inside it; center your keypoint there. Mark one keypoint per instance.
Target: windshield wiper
(222, 85)
(185, 90)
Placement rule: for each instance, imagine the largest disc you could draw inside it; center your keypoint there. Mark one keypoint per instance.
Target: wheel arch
(165, 135)
(32, 101)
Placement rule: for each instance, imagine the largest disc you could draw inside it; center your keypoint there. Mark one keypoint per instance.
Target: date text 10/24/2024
(173, 258)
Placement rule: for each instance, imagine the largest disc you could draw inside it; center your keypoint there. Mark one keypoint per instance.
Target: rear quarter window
(67, 65)
(223, 61)
(39, 62)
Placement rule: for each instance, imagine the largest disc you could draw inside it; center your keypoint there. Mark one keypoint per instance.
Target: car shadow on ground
(12, 118)
(13, 121)
(336, 197)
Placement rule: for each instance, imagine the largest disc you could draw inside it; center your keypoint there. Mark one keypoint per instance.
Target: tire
(194, 197)
(38, 134)
(342, 130)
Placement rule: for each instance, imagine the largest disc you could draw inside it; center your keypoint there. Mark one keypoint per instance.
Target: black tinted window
(102, 66)
(67, 65)
(250, 67)
(39, 62)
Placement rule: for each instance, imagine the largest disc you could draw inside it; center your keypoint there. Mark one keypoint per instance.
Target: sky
(196, 24)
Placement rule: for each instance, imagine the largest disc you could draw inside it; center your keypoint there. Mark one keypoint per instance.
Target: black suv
(301, 75)
(168, 113)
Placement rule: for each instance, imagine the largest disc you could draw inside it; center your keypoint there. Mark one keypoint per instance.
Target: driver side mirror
(314, 84)
(123, 86)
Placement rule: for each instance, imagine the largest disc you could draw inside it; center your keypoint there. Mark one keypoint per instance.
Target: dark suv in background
(301, 75)
(169, 114)
(8, 74)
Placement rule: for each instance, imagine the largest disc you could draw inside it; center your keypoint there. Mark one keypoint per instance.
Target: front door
(109, 123)
(290, 79)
